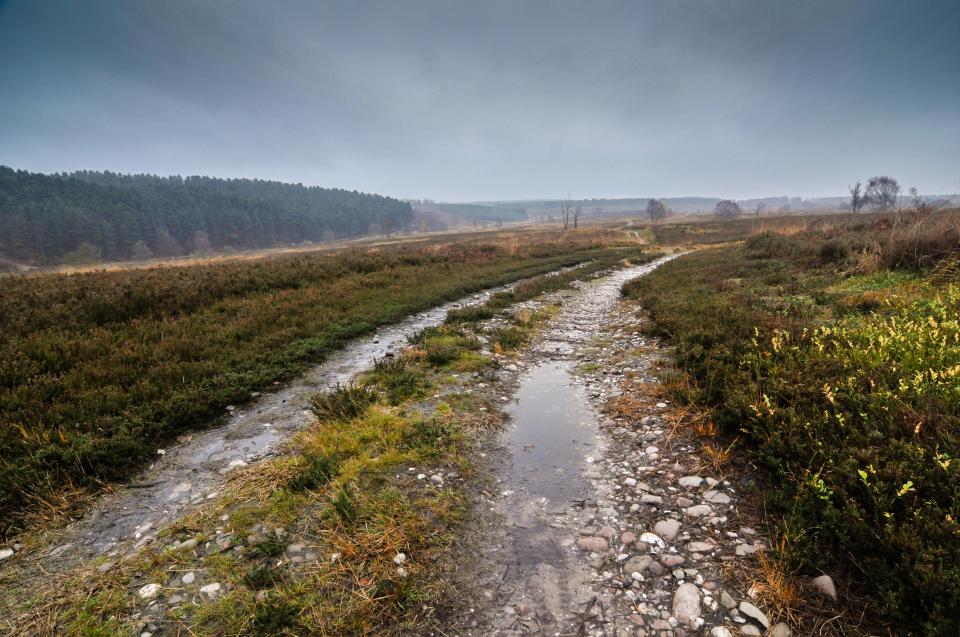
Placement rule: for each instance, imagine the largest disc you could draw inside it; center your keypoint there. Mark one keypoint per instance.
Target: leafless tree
(882, 193)
(856, 197)
(576, 216)
(657, 210)
(727, 209)
(565, 211)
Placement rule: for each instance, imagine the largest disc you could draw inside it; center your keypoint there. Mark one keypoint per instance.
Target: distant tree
(565, 211)
(576, 216)
(140, 250)
(856, 197)
(84, 254)
(727, 209)
(201, 242)
(882, 193)
(657, 210)
(388, 226)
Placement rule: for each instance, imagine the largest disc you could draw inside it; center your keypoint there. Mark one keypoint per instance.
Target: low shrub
(345, 402)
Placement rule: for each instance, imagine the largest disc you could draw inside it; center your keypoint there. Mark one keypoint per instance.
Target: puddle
(552, 433)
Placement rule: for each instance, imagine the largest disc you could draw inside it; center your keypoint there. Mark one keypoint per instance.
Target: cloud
(458, 100)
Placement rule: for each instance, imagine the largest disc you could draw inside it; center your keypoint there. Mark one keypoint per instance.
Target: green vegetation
(374, 535)
(833, 354)
(99, 369)
(85, 217)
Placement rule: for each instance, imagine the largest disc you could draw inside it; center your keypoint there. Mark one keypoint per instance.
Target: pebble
(686, 603)
(149, 591)
(754, 613)
(668, 529)
(690, 482)
(5, 553)
(698, 511)
(188, 578)
(593, 544)
(720, 631)
(211, 590)
(780, 630)
(728, 601)
(825, 585)
(716, 497)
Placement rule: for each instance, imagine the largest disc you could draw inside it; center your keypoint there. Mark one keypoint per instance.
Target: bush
(345, 402)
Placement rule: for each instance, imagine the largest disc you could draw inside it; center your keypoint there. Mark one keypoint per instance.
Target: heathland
(97, 370)
(826, 351)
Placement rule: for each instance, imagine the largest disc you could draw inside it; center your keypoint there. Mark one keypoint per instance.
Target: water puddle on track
(552, 433)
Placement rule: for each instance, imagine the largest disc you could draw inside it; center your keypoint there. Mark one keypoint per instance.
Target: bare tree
(565, 211)
(856, 197)
(576, 216)
(882, 193)
(657, 210)
(727, 209)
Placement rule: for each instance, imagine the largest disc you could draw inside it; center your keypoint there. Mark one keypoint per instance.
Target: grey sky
(489, 100)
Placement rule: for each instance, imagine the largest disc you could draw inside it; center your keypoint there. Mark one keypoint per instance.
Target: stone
(647, 498)
(188, 578)
(720, 631)
(637, 564)
(686, 603)
(754, 613)
(105, 567)
(701, 547)
(593, 544)
(149, 591)
(727, 600)
(399, 558)
(211, 590)
(188, 544)
(651, 538)
(824, 584)
(5, 553)
(628, 537)
(716, 497)
(672, 560)
(748, 549)
(607, 532)
(690, 482)
(780, 630)
(750, 630)
(683, 502)
(698, 511)
(667, 529)
(656, 568)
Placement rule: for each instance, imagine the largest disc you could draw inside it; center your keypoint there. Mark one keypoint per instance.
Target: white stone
(686, 603)
(188, 578)
(652, 538)
(716, 497)
(667, 528)
(691, 482)
(5, 553)
(720, 631)
(825, 585)
(149, 591)
(698, 511)
(211, 589)
(399, 558)
(754, 613)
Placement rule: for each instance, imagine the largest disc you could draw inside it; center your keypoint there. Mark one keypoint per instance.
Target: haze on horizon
(490, 101)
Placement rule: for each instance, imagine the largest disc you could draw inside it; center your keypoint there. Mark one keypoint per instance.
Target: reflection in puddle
(551, 434)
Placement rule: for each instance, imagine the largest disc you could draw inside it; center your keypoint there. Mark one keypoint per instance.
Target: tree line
(88, 216)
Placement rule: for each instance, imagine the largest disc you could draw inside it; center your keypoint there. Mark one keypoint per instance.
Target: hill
(87, 216)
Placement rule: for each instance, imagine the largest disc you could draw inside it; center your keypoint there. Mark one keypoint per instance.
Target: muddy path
(599, 517)
(193, 471)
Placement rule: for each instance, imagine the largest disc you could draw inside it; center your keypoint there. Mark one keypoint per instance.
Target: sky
(492, 100)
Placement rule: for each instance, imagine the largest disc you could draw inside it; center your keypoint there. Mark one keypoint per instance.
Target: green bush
(344, 402)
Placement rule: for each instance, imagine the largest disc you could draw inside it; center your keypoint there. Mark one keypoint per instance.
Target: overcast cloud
(489, 100)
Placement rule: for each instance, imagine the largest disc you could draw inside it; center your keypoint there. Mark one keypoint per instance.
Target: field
(827, 355)
(99, 369)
